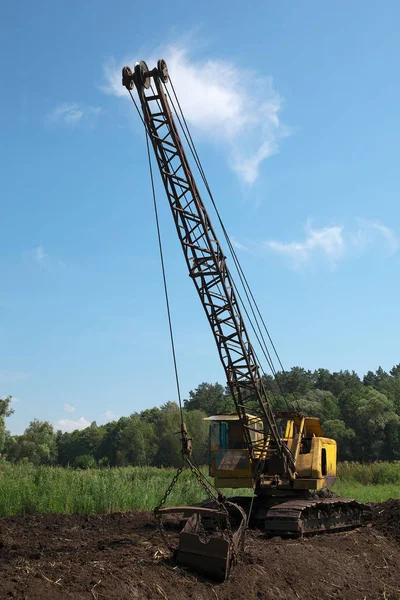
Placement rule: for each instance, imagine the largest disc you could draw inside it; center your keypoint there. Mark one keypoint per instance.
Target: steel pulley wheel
(127, 78)
(141, 71)
(162, 70)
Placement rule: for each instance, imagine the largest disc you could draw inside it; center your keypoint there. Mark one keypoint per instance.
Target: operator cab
(229, 460)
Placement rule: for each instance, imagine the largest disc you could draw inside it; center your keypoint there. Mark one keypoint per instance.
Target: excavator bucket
(206, 544)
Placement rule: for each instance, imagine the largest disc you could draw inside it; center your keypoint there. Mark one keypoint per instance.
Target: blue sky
(294, 109)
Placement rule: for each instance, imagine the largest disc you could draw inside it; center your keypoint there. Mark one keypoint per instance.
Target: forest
(361, 414)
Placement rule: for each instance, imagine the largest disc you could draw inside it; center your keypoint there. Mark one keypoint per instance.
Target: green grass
(366, 493)
(377, 473)
(375, 482)
(28, 489)
(25, 488)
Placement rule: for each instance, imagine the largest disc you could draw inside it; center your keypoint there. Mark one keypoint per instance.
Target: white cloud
(239, 245)
(328, 241)
(81, 423)
(43, 259)
(392, 243)
(108, 416)
(67, 113)
(371, 233)
(39, 255)
(112, 73)
(334, 243)
(226, 104)
(70, 425)
(73, 113)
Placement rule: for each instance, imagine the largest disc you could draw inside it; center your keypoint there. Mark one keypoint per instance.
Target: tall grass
(366, 493)
(377, 473)
(25, 488)
(374, 482)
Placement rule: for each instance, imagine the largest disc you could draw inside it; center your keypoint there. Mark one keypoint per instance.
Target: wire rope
(243, 279)
(165, 285)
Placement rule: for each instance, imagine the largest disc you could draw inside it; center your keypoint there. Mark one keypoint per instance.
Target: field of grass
(25, 488)
(375, 482)
(28, 489)
(366, 493)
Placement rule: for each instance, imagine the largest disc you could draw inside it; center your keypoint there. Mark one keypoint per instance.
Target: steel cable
(171, 332)
(246, 287)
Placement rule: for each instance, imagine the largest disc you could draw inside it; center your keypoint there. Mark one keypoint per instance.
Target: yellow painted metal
(315, 455)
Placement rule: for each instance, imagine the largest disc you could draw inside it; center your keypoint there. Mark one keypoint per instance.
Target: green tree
(319, 403)
(392, 446)
(371, 379)
(85, 461)
(5, 411)
(210, 398)
(296, 381)
(151, 415)
(37, 444)
(167, 431)
(349, 401)
(78, 444)
(395, 371)
(344, 437)
(336, 382)
(198, 431)
(343, 380)
(136, 442)
(282, 403)
(108, 449)
(375, 416)
(381, 377)
(390, 386)
(322, 379)
(10, 443)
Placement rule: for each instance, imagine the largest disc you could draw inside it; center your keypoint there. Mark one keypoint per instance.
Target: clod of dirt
(386, 518)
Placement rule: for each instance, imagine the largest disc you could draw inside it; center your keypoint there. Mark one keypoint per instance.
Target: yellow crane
(284, 457)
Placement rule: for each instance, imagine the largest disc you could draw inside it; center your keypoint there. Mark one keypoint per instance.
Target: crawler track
(299, 517)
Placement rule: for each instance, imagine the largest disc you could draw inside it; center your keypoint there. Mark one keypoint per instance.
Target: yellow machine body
(231, 465)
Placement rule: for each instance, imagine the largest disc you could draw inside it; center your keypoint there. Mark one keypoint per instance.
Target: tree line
(362, 415)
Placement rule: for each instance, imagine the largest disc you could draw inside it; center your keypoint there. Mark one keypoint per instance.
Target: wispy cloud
(330, 245)
(391, 241)
(43, 259)
(70, 425)
(238, 245)
(73, 113)
(81, 423)
(39, 255)
(220, 106)
(108, 416)
(328, 242)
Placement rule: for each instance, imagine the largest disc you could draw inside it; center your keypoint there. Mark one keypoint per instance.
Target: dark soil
(386, 518)
(122, 556)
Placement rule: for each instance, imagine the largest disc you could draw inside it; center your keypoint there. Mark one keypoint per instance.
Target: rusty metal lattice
(207, 267)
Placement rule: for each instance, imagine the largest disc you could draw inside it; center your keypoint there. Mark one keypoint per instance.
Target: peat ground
(121, 556)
